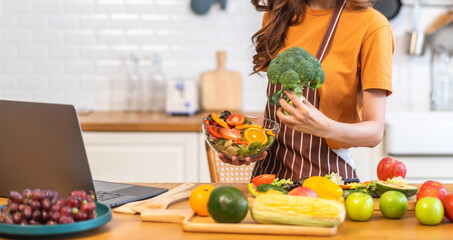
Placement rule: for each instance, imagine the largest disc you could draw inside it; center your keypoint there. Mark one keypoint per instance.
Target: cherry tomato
(235, 119)
(214, 131)
(263, 178)
(230, 133)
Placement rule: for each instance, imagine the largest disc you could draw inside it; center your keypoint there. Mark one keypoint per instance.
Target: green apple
(393, 204)
(359, 206)
(429, 211)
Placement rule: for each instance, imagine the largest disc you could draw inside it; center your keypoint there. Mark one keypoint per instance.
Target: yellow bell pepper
(324, 188)
(247, 126)
(256, 193)
(219, 121)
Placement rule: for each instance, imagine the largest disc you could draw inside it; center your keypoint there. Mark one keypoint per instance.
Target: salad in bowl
(238, 135)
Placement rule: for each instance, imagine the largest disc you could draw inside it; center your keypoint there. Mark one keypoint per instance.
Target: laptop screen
(41, 146)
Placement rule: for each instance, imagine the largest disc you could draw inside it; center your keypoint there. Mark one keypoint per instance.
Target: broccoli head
(294, 69)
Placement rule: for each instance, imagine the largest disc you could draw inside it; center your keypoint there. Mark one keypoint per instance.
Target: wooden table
(156, 122)
(125, 226)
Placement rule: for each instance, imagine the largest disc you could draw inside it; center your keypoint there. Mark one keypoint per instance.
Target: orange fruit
(199, 198)
(255, 134)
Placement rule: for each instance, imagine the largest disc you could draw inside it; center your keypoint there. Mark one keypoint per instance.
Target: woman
(349, 108)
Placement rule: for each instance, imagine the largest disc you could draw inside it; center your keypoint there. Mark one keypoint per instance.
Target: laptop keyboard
(104, 196)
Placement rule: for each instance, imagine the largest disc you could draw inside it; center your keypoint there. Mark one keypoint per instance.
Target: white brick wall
(73, 51)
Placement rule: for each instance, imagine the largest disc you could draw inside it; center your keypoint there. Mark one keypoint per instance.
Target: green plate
(104, 216)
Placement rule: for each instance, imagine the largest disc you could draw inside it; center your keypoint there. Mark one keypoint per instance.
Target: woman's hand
(304, 117)
(235, 161)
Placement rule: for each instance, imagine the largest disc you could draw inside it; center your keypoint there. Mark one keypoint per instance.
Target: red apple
(447, 201)
(432, 189)
(389, 167)
(303, 191)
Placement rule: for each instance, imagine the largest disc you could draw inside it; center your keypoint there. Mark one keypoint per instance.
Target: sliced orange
(255, 134)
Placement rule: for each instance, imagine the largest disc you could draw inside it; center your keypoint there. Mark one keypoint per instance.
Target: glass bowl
(249, 142)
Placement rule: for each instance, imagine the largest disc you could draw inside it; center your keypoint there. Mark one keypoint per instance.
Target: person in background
(348, 110)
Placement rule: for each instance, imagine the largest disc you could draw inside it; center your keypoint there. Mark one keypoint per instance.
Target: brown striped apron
(295, 154)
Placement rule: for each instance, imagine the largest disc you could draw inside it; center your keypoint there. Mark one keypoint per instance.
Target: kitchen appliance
(221, 89)
(182, 97)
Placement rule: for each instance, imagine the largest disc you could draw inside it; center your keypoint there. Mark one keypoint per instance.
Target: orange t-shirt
(359, 58)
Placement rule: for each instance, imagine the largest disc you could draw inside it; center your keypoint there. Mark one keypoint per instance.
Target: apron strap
(330, 31)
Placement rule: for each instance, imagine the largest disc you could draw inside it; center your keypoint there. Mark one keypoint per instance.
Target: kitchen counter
(124, 226)
(155, 122)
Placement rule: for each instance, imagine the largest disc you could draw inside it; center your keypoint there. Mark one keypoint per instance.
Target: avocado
(227, 205)
(407, 190)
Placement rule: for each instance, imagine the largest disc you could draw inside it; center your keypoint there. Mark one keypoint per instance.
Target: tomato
(230, 133)
(240, 142)
(263, 178)
(214, 131)
(447, 201)
(235, 119)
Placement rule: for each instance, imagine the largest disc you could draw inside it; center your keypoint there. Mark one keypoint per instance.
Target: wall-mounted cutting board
(221, 89)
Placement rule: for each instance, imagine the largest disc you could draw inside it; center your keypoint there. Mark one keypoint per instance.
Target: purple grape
(15, 197)
(48, 194)
(46, 204)
(17, 217)
(45, 215)
(34, 222)
(2, 217)
(24, 222)
(35, 205)
(4, 210)
(36, 215)
(61, 202)
(56, 207)
(74, 201)
(85, 208)
(27, 212)
(65, 220)
(9, 220)
(92, 215)
(55, 216)
(66, 211)
(37, 195)
(51, 222)
(13, 207)
(81, 216)
(54, 197)
(26, 194)
(22, 207)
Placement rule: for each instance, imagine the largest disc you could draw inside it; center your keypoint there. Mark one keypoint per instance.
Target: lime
(227, 205)
(393, 204)
(359, 206)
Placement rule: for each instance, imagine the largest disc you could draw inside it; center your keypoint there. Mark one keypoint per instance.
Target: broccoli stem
(298, 94)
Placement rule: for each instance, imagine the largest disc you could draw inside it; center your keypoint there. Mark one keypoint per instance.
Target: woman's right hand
(247, 161)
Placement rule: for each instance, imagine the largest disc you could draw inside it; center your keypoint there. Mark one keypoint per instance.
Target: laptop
(41, 146)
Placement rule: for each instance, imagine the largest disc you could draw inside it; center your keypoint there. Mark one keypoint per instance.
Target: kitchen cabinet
(147, 156)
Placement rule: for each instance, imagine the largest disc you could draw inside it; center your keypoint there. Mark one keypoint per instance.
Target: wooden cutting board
(249, 226)
(221, 89)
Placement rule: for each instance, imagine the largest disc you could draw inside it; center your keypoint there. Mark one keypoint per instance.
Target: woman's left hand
(304, 117)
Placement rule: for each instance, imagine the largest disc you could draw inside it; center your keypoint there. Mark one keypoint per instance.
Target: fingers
(260, 157)
(248, 161)
(286, 119)
(235, 161)
(224, 159)
(294, 98)
(285, 105)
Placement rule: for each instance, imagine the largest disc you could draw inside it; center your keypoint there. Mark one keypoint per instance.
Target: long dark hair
(280, 14)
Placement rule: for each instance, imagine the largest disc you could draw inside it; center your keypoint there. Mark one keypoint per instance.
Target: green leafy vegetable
(294, 69)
